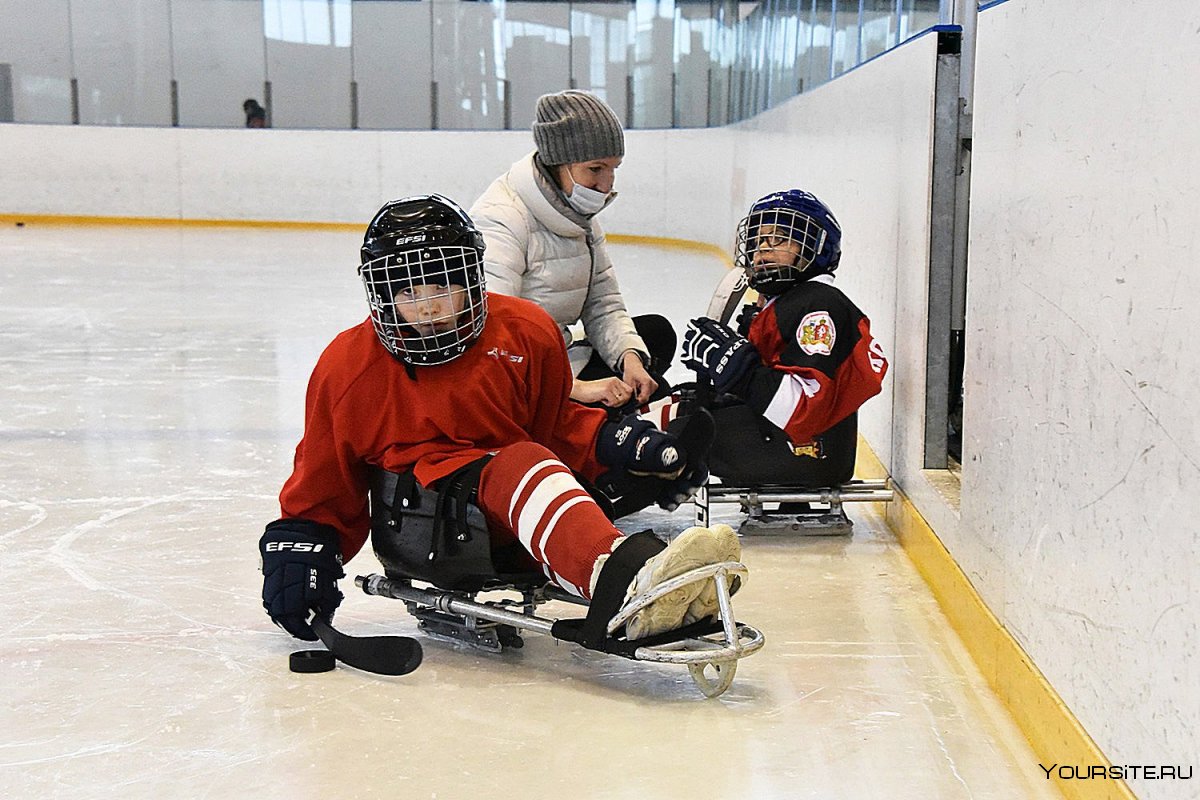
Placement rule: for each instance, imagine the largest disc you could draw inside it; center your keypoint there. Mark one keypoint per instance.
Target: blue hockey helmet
(787, 237)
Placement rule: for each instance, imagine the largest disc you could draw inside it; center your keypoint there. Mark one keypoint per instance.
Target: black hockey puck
(312, 661)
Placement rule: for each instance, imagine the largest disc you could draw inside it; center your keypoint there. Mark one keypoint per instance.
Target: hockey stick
(383, 655)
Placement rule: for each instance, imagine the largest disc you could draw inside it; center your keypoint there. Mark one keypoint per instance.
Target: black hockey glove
(683, 488)
(301, 565)
(746, 316)
(637, 447)
(716, 352)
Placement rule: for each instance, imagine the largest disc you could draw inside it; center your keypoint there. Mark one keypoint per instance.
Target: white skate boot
(694, 548)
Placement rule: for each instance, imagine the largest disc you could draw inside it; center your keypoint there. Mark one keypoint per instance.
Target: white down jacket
(536, 251)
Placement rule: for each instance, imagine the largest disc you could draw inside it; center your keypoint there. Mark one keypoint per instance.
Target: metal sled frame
(494, 625)
(751, 498)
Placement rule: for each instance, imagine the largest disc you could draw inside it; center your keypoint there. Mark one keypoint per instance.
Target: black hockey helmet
(424, 241)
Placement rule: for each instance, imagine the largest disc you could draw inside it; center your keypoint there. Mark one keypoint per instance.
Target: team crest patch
(816, 334)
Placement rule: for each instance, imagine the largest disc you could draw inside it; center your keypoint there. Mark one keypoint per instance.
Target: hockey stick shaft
(382, 655)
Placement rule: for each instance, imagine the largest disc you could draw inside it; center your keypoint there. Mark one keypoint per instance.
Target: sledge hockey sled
(827, 519)
(754, 465)
(438, 557)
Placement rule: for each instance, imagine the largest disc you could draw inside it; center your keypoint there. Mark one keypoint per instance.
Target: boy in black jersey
(790, 383)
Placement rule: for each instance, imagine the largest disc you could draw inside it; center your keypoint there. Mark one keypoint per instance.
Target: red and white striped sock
(661, 412)
(528, 493)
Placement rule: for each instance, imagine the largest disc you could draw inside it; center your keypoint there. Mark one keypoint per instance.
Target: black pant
(750, 451)
(660, 339)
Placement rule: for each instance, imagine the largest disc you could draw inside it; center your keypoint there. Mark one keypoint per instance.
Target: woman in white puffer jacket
(543, 244)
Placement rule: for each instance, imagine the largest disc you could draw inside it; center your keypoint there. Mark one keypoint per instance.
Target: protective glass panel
(536, 56)
(309, 62)
(37, 48)
(393, 63)
(601, 50)
(220, 60)
(467, 45)
(122, 62)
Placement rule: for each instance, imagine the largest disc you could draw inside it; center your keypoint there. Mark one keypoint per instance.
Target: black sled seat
(440, 538)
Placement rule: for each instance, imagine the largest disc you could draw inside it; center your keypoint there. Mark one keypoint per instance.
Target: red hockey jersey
(820, 361)
(363, 409)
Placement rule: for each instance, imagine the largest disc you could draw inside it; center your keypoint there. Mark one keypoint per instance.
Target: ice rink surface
(151, 398)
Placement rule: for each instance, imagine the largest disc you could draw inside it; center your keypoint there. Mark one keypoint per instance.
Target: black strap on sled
(404, 497)
(618, 572)
(454, 493)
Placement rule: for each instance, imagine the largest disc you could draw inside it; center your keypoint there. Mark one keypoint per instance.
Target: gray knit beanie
(574, 126)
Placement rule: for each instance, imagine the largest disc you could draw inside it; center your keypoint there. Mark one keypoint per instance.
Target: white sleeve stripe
(787, 397)
(524, 480)
(549, 489)
(544, 540)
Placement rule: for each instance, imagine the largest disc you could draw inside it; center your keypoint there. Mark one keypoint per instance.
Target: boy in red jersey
(802, 363)
(443, 376)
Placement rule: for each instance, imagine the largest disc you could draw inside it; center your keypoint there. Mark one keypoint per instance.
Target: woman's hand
(612, 392)
(637, 377)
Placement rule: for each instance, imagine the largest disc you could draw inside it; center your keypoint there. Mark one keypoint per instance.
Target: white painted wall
(1076, 524)
(1079, 502)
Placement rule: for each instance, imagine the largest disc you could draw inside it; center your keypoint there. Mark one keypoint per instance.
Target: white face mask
(586, 201)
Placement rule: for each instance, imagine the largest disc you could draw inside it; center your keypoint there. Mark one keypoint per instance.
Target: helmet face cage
(427, 303)
(797, 237)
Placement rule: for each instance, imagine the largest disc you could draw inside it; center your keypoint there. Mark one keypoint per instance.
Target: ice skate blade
(801, 525)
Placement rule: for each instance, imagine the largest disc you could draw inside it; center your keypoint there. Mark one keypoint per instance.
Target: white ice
(151, 395)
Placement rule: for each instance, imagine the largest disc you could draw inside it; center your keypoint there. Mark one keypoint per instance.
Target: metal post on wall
(433, 105)
(628, 101)
(353, 105)
(74, 80)
(729, 95)
(506, 88)
(7, 106)
(267, 104)
(943, 207)
(708, 120)
(674, 99)
(858, 54)
(832, 37)
(571, 83)
(171, 54)
(74, 101)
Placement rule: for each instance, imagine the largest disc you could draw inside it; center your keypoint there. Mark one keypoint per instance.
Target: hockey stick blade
(382, 655)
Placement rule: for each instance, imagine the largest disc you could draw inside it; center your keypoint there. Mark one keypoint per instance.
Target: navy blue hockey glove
(714, 351)
(637, 447)
(301, 565)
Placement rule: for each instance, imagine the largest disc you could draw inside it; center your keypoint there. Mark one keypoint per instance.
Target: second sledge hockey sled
(755, 466)
(830, 520)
